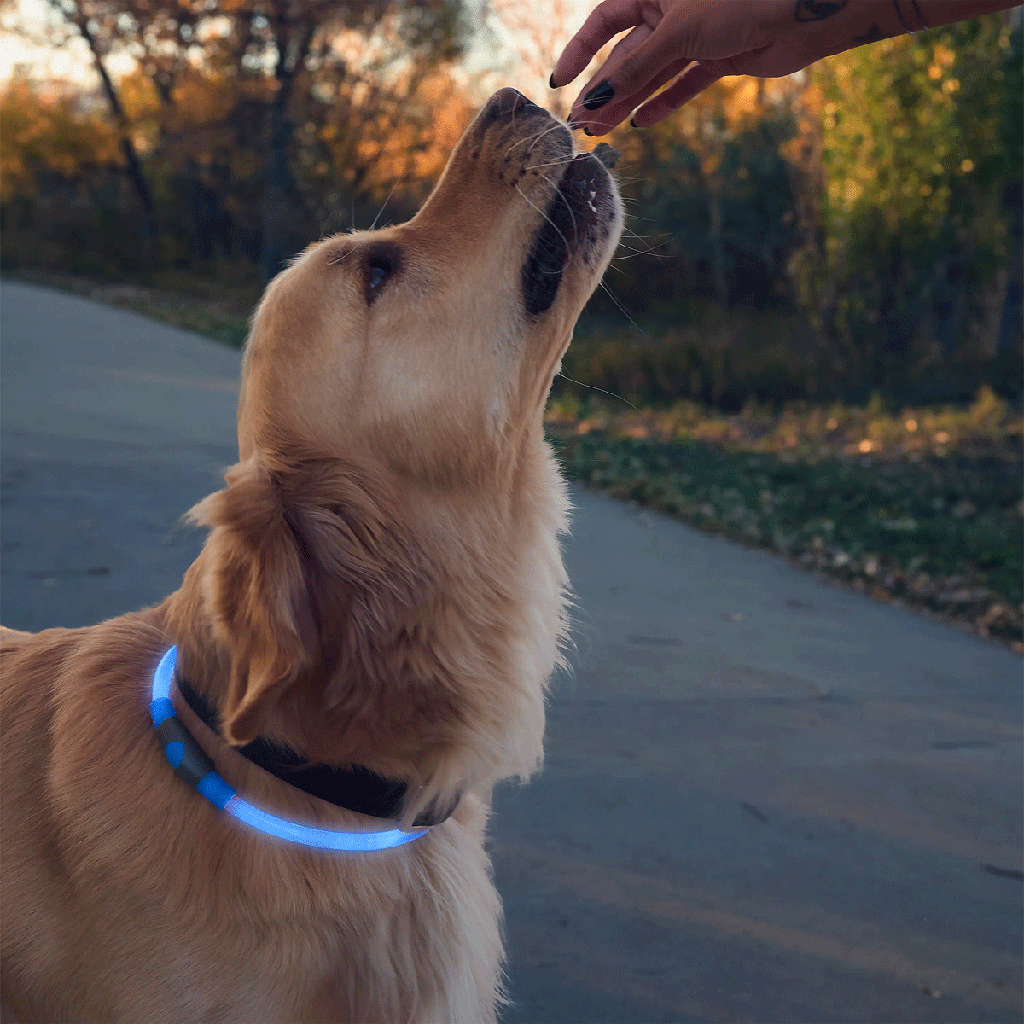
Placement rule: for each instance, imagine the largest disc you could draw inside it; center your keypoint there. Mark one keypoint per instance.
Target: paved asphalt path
(765, 798)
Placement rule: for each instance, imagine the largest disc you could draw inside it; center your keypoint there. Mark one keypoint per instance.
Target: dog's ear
(259, 589)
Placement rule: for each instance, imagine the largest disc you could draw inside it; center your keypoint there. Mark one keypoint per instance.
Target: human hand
(696, 42)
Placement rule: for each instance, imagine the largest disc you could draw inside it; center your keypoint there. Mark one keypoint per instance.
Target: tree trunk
(278, 183)
(717, 243)
(1011, 328)
(131, 158)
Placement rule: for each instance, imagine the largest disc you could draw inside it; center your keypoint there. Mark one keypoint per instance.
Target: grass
(921, 506)
(924, 506)
(208, 308)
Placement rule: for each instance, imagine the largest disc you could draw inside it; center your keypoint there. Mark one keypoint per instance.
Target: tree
(299, 36)
(535, 36)
(269, 54)
(713, 183)
(95, 22)
(919, 222)
(47, 136)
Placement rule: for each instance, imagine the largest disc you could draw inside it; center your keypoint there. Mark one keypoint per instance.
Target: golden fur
(382, 585)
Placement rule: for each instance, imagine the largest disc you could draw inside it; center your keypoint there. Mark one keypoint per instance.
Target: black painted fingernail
(598, 96)
(551, 81)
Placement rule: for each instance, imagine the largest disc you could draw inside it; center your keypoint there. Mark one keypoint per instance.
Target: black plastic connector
(186, 756)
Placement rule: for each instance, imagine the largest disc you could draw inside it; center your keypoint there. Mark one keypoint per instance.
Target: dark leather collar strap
(356, 788)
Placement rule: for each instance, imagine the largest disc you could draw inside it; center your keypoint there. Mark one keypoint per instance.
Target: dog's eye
(377, 269)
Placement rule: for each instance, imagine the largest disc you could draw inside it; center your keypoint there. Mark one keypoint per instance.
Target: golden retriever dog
(380, 596)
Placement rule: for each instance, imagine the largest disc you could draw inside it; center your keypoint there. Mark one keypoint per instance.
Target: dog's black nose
(509, 101)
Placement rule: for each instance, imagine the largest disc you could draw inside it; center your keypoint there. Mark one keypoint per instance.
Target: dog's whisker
(575, 228)
(636, 252)
(339, 258)
(550, 163)
(543, 214)
(639, 252)
(530, 140)
(381, 210)
(622, 309)
(649, 251)
(612, 394)
(665, 238)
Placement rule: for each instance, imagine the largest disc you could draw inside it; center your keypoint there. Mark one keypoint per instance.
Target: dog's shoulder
(30, 665)
(38, 663)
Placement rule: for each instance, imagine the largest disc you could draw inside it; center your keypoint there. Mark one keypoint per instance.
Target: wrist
(936, 13)
(860, 22)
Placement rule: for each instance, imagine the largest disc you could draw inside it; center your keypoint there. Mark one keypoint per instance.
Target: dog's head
(387, 520)
(433, 341)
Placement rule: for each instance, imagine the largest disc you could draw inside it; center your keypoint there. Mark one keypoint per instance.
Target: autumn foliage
(852, 229)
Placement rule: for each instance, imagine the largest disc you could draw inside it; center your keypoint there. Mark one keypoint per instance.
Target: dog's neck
(448, 694)
(203, 660)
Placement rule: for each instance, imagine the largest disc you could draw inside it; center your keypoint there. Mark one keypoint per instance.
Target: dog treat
(608, 156)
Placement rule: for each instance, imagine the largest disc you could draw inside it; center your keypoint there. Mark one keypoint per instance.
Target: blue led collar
(192, 765)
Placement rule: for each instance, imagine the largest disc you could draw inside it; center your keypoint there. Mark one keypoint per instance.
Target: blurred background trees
(849, 230)
(249, 122)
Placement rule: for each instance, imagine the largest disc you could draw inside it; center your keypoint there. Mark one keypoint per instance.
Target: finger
(622, 47)
(600, 122)
(771, 61)
(606, 20)
(700, 31)
(695, 79)
(641, 66)
(627, 44)
(626, 82)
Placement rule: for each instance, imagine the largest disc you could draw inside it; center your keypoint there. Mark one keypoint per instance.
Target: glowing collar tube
(192, 765)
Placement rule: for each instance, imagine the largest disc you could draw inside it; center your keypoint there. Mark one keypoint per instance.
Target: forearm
(677, 48)
(842, 25)
(945, 12)
(896, 17)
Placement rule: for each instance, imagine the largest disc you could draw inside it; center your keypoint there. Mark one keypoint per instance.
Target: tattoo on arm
(917, 11)
(817, 10)
(899, 14)
(873, 35)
